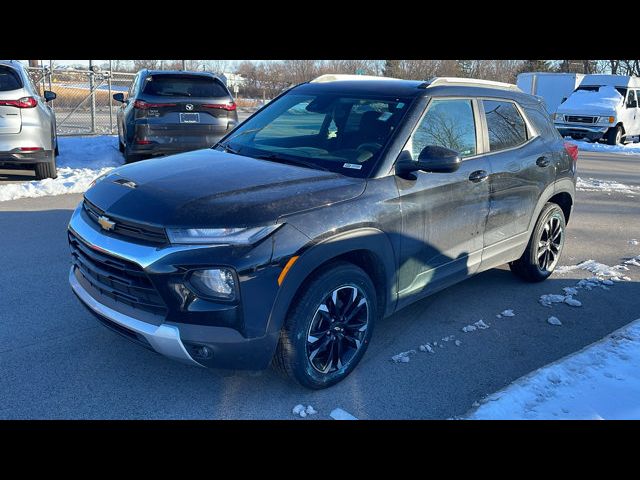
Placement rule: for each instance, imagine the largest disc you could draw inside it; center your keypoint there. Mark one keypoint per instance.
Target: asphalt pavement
(58, 362)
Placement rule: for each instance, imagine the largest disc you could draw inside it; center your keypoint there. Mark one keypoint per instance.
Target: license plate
(189, 118)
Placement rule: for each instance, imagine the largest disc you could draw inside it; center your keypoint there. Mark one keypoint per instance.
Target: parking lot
(58, 362)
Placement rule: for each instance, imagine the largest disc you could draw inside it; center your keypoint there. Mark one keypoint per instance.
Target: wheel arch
(368, 248)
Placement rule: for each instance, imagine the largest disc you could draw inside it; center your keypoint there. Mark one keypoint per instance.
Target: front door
(443, 214)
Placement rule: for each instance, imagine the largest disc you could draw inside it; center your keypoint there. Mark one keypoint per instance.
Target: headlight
(607, 120)
(227, 236)
(214, 282)
(558, 117)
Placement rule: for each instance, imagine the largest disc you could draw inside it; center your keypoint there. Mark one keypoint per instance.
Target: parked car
(173, 111)
(27, 123)
(554, 88)
(335, 205)
(603, 107)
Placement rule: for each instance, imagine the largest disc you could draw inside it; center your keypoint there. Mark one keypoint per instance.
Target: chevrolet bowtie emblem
(106, 224)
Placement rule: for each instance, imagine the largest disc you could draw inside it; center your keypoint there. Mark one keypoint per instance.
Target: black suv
(173, 111)
(335, 205)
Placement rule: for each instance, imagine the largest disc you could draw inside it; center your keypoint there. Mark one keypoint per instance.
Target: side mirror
(432, 158)
(48, 96)
(118, 97)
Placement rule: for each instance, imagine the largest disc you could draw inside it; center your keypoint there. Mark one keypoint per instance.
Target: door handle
(478, 176)
(543, 162)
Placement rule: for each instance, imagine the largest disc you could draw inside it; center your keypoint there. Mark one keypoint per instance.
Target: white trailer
(554, 88)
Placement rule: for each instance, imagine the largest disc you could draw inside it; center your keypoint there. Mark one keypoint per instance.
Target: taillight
(224, 106)
(572, 150)
(24, 102)
(30, 149)
(142, 105)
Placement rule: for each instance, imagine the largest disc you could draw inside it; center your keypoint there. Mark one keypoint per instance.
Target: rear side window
(184, 86)
(542, 122)
(505, 125)
(9, 79)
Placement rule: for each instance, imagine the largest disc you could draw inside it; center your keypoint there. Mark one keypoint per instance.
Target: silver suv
(27, 123)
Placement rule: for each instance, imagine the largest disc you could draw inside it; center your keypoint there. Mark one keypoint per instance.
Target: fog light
(214, 282)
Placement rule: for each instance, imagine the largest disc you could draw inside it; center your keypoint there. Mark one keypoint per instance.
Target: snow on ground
(595, 185)
(302, 411)
(601, 381)
(81, 160)
(340, 414)
(627, 149)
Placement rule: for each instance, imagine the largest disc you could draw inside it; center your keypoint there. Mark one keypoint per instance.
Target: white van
(602, 107)
(554, 88)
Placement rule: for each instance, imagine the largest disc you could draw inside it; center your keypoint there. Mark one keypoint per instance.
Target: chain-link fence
(84, 102)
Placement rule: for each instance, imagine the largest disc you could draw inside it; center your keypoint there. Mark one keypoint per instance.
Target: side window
(447, 123)
(132, 88)
(295, 122)
(506, 126)
(631, 100)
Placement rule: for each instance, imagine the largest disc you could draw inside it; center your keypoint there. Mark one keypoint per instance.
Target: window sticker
(384, 116)
(354, 166)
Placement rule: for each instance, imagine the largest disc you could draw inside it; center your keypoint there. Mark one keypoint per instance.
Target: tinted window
(9, 79)
(447, 123)
(542, 122)
(631, 99)
(337, 132)
(184, 86)
(505, 124)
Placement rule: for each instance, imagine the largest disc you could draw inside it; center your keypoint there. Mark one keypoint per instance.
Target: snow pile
(601, 381)
(426, 348)
(626, 149)
(586, 102)
(594, 267)
(633, 241)
(340, 414)
(554, 321)
(81, 160)
(478, 325)
(506, 313)
(595, 185)
(302, 411)
(403, 357)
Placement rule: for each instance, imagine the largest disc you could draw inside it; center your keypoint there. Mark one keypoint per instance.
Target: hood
(604, 102)
(208, 188)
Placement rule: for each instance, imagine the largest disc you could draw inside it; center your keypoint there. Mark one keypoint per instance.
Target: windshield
(594, 88)
(343, 134)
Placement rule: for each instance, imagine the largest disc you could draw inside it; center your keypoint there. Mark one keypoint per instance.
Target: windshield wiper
(292, 161)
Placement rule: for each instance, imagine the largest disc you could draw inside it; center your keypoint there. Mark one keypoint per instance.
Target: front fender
(314, 255)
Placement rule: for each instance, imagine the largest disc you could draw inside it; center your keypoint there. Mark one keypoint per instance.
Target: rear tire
(614, 135)
(131, 157)
(342, 329)
(543, 251)
(46, 169)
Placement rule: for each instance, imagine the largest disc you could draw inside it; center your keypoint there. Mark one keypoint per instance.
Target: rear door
(10, 91)
(522, 166)
(188, 103)
(443, 214)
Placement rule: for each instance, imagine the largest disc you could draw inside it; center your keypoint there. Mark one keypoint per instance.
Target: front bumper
(236, 336)
(592, 132)
(164, 339)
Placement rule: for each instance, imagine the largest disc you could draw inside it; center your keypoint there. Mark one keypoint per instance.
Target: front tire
(329, 327)
(614, 135)
(543, 251)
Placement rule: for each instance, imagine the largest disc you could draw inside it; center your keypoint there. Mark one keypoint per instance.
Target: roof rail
(469, 82)
(335, 77)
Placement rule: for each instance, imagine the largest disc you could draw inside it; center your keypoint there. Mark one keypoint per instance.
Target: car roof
(179, 72)
(12, 63)
(382, 86)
